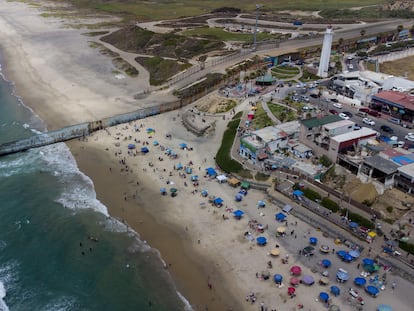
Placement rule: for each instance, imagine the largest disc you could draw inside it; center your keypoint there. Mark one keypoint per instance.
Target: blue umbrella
(313, 240)
(347, 257)
(261, 204)
(261, 240)
(341, 253)
(155, 143)
(188, 170)
(326, 263)
(324, 296)
(238, 213)
(163, 190)
(150, 130)
(238, 197)
(183, 145)
(335, 290)
(360, 281)
(131, 146)
(278, 278)
(308, 280)
(204, 193)
(280, 216)
(144, 150)
(384, 308)
(354, 253)
(353, 225)
(372, 290)
(194, 177)
(368, 261)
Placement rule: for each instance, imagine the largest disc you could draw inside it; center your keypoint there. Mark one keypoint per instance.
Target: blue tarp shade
(372, 290)
(342, 276)
(144, 150)
(297, 193)
(354, 253)
(278, 278)
(360, 281)
(335, 290)
(218, 201)
(353, 225)
(261, 240)
(348, 258)
(178, 166)
(168, 151)
(402, 160)
(211, 171)
(131, 146)
(368, 261)
(280, 216)
(324, 296)
(238, 197)
(313, 240)
(341, 253)
(326, 263)
(238, 213)
(183, 145)
(384, 308)
(155, 143)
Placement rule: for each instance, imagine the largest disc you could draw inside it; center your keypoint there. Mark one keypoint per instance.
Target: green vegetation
(161, 69)
(330, 205)
(311, 194)
(389, 209)
(261, 176)
(282, 113)
(364, 13)
(285, 72)
(408, 247)
(261, 118)
(222, 35)
(325, 161)
(308, 76)
(361, 220)
(223, 158)
(226, 106)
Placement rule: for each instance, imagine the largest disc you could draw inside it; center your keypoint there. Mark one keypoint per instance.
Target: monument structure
(326, 53)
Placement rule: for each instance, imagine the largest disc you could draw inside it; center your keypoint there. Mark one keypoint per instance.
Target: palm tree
(340, 42)
(363, 32)
(399, 28)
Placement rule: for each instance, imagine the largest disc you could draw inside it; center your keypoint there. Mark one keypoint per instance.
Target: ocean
(59, 248)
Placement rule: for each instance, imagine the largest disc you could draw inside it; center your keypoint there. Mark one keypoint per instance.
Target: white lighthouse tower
(326, 53)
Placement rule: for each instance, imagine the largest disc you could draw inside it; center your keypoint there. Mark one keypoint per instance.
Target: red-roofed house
(398, 105)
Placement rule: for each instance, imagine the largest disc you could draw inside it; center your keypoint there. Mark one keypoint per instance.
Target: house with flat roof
(378, 169)
(405, 178)
(398, 105)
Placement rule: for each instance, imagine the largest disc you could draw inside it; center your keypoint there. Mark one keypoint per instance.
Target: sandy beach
(214, 263)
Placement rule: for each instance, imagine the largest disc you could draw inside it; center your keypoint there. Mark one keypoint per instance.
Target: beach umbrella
(324, 249)
(194, 177)
(353, 225)
(150, 130)
(261, 240)
(204, 193)
(308, 279)
(354, 253)
(308, 250)
(238, 197)
(131, 146)
(173, 190)
(384, 308)
(313, 240)
(178, 166)
(275, 252)
(155, 143)
(341, 253)
(335, 290)
(278, 278)
(291, 290)
(265, 274)
(360, 281)
(281, 229)
(347, 258)
(324, 280)
(372, 290)
(280, 216)
(163, 190)
(238, 213)
(342, 275)
(334, 308)
(144, 150)
(368, 261)
(326, 263)
(218, 201)
(183, 145)
(261, 204)
(324, 296)
(294, 281)
(188, 170)
(296, 270)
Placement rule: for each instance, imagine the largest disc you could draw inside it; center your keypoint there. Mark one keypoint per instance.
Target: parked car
(357, 127)
(374, 113)
(366, 110)
(368, 121)
(410, 137)
(304, 98)
(356, 296)
(337, 105)
(313, 95)
(387, 129)
(334, 100)
(333, 111)
(348, 113)
(343, 116)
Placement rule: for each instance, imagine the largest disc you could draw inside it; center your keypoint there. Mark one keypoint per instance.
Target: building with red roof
(397, 104)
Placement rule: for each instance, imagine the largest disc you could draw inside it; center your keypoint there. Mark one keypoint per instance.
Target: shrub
(361, 220)
(311, 194)
(329, 204)
(408, 247)
(389, 209)
(367, 202)
(261, 176)
(325, 161)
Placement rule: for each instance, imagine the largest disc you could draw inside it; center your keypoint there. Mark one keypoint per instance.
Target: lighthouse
(326, 53)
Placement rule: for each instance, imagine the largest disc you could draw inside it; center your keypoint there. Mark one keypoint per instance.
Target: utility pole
(255, 28)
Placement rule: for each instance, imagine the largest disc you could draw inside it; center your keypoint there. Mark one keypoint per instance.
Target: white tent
(221, 178)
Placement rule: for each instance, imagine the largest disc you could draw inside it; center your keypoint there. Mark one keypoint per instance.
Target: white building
(326, 53)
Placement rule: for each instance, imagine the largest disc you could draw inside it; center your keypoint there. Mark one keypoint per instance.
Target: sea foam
(3, 306)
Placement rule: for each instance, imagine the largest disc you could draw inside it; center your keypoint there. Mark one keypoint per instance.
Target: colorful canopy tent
(245, 185)
(308, 280)
(218, 201)
(360, 281)
(313, 240)
(354, 253)
(326, 263)
(278, 278)
(275, 252)
(221, 178)
(372, 234)
(384, 308)
(234, 182)
(280, 217)
(238, 213)
(287, 208)
(335, 290)
(324, 296)
(297, 193)
(296, 270)
(261, 240)
(238, 197)
(144, 150)
(342, 275)
(353, 225)
(372, 290)
(211, 172)
(131, 146)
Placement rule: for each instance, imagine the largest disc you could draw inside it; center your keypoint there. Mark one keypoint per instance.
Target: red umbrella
(291, 290)
(296, 270)
(294, 281)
